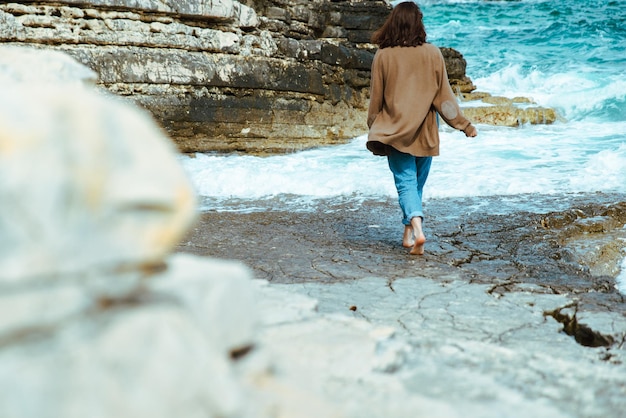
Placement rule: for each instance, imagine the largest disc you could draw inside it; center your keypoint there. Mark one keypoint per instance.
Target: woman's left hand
(470, 131)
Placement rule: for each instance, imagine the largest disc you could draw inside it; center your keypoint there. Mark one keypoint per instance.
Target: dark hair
(403, 27)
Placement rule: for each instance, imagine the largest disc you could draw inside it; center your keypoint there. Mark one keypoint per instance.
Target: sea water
(566, 54)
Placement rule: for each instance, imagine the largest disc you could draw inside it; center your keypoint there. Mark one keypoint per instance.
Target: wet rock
(455, 67)
(507, 247)
(594, 236)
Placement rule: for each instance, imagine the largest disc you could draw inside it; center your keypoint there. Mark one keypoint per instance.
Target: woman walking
(409, 88)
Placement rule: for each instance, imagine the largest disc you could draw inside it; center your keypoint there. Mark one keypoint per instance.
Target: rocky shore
(105, 312)
(256, 76)
(510, 312)
(569, 245)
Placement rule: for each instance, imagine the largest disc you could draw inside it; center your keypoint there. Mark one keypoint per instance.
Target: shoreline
(487, 240)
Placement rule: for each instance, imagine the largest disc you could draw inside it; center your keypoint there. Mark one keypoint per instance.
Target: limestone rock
(162, 350)
(92, 194)
(462, 350)
(106, 191)
(510, 115)
(220, 75)
(31, 66)
(228, 10)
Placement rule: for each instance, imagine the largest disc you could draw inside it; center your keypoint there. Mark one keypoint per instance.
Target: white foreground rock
(96, 318)
(90, 184)
(420, 348)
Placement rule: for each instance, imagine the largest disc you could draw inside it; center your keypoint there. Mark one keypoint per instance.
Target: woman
(409, 87)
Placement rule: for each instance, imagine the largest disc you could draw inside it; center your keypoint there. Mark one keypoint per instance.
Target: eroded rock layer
(263, 77)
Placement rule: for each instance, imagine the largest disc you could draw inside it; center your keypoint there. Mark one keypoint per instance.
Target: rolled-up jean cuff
(407, 220)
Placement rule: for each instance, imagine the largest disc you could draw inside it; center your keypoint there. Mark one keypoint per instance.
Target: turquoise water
(567, 54)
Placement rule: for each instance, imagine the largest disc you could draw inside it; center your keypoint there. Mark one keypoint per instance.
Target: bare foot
(418, 246)
(418, 234)
(408, 239)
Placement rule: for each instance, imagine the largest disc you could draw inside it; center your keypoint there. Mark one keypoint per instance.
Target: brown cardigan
(409, 86)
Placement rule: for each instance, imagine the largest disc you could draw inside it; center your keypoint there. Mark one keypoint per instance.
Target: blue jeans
(409, 174)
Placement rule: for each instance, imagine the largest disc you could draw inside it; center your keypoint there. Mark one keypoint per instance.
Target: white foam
(561, 158)
(323, 172)
(575, 92)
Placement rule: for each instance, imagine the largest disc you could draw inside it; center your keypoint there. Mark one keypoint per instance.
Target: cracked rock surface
(447, 349)
(513, 310)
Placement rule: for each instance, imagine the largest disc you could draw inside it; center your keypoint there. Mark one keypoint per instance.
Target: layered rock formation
(265, 76)
(218, 75)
